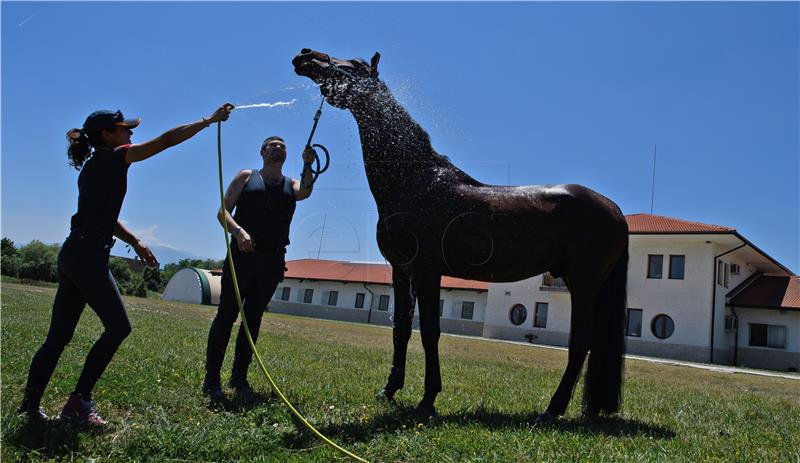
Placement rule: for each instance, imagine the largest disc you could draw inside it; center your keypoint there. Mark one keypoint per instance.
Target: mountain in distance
(165, 255)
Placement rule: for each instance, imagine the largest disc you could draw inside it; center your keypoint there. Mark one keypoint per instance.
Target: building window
(676, 267)
(518, 314)
(383, 302)
(467, 309)
(333, 297)
(725, 275)
(308, 295)
(767, 336)
(285, 293)
(360, 300)
(633, 325)
(540, 316)
(655, 265)
(441, 307)
(662, 326)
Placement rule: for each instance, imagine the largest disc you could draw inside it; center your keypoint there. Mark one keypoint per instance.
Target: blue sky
(519, 93)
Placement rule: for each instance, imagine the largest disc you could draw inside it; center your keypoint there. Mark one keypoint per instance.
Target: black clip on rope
(319, 168)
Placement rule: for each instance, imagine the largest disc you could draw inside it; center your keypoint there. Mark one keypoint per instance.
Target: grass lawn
(331, 372)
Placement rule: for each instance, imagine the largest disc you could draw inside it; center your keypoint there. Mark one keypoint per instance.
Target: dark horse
(436, 220)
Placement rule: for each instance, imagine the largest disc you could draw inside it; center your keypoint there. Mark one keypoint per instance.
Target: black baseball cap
(106, 119)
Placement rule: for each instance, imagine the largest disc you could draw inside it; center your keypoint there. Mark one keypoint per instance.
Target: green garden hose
(247, 329)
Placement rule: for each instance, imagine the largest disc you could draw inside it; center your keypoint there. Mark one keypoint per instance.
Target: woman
(83, 261)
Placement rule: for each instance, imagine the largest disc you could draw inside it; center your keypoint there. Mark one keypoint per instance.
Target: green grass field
(331, 372)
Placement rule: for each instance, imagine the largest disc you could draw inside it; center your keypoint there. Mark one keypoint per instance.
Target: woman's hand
(244, 241)
(145, 254)
(221, 114)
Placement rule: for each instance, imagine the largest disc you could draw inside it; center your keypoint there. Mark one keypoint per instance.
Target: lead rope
(244, 320)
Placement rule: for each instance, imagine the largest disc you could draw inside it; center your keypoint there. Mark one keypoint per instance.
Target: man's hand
(309, 155)
(145, 254)
(244, 241)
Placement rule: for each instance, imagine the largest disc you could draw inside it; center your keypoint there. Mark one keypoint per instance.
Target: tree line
(38, 261)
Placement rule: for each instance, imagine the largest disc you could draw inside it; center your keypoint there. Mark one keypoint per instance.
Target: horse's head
(341, 81)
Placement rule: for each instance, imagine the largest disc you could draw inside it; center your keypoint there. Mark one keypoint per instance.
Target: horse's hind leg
(401, 332)
(579, 341)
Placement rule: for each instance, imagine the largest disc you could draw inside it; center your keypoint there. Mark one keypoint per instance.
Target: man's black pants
(83, 277)
(258, 275)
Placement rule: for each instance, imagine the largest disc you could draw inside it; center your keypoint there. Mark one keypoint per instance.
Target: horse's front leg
(427, 287)
(401, 332)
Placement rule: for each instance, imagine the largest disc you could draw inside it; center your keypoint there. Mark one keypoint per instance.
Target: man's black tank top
(102, 185)
(265, 212)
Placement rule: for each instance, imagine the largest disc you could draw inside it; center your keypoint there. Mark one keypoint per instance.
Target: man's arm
(141, 249)
(243, 239)
(302, 189)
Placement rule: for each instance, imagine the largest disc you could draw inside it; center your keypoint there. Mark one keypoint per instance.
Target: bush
(38, 261)
(9, 258)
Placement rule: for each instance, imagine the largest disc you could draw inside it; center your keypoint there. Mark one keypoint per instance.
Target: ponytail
(79, 148)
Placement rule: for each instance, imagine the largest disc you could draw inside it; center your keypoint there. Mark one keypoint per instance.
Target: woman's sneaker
(32, 411)
(78, 408)
(29, 408)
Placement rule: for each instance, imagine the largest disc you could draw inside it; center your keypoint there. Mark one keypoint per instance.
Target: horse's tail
(603, 387)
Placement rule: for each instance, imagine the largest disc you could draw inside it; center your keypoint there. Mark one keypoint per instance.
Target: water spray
(319, 168)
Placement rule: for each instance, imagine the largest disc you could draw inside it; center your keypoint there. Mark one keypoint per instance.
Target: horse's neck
(388, 133)
(398, 155)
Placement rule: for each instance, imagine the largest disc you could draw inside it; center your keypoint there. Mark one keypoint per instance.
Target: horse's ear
(373, 64)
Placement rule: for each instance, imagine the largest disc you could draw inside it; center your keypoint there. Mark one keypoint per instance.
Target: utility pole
(653, 187)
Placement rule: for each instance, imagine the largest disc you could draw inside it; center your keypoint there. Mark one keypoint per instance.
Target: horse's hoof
(427, 413)
(544, 419)
(385, 395)
(590, 413)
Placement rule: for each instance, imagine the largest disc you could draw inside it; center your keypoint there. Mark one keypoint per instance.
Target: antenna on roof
(321, 234)
(653, 186)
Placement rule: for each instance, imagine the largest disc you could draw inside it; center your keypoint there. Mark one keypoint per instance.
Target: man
(265, 202)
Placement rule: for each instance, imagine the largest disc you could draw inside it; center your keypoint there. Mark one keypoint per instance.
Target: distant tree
(38, 261)
(122, 273)
(152, 279)
(9, 258)
(137, 287)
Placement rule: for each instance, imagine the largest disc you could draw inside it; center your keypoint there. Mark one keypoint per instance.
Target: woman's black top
(102, 184)
(265, 212)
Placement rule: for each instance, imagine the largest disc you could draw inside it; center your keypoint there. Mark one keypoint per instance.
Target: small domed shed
(195, 285)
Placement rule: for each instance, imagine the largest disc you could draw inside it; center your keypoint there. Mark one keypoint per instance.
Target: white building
(362, 292)
(194, 285)
(691, 286)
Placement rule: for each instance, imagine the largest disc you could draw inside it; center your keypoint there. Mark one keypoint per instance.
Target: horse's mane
(425, 151)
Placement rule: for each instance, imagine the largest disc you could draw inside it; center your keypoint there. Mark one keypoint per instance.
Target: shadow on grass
(405, 417)
(53, 438)
(242, 402)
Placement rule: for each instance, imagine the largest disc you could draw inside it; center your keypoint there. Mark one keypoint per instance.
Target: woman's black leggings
(84, 277)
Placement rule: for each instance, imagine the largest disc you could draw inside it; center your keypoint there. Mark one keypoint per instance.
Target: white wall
(503, 296)
(347, 296)
(686, 301)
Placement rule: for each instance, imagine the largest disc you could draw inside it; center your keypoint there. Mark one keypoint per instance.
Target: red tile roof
(648, 223)
(334, 270)
(770, 292)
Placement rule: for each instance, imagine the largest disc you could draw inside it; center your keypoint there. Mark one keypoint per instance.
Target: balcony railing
(551, 283)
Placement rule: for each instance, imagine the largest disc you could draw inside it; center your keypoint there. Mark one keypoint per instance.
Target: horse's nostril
(305, 51)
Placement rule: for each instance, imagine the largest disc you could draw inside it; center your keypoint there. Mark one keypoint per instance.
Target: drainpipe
(371, 297)
(714, 296)
(736, 337)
